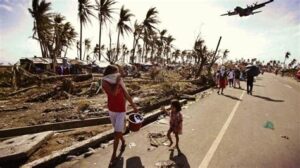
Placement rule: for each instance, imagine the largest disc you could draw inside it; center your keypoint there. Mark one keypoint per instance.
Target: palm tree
(136, 36)
(200, 52)
(122, 26)
(58, 36)
(147, 26)
(154, 43)
(69, 35)
(162, 41)
(225, 55)
(104, 8)
(168, 46)
(176, 55)
(287, 56)
(57, 39)
(84, 11)
(41, 15)
(96, 51)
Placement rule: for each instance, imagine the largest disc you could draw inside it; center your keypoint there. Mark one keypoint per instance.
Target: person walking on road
(117, 95)
(222, 79)
(237, 74)
(230, 77)
(250, 80)
(176, 120)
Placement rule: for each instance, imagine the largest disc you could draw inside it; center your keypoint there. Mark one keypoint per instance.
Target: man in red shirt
(117, 95)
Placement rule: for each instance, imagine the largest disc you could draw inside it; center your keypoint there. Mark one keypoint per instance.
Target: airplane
(247, 11)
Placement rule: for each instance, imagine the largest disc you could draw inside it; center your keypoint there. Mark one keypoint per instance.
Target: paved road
(225, 132)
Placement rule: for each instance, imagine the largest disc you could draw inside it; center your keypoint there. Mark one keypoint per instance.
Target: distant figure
(250, 80)
(276, 71)
(231, 77)
(117, 95)
(237, 74)
(282, 72)
(262, 71)
(176, 120)
(216, 78)
(222, 77)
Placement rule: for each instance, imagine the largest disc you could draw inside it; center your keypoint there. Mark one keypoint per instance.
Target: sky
(266, 36)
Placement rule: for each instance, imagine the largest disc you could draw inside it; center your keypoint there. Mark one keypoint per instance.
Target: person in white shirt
(230, 77)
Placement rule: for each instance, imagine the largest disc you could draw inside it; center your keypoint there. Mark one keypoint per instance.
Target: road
(224, 131)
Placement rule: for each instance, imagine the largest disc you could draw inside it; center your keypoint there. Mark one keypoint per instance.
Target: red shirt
(116, 103)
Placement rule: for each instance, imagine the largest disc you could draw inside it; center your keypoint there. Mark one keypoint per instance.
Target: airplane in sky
(249, 10)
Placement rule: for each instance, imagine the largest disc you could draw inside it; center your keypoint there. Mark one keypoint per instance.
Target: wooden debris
(13, 109)
(22, 147)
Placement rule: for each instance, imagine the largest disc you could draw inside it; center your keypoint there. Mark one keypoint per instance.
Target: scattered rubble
(157, 139)
(48, 99)
(165, 164)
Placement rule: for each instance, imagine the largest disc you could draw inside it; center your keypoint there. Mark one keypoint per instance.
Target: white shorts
(118, 120)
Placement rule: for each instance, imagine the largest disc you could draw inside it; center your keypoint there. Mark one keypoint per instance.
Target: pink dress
(176, 122)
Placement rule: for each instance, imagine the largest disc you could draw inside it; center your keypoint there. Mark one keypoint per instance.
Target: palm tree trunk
(110, 53)
(40, 41)
(66, 52)
(117, 55)
(100, 30)
(143, 51)
(133, 50)
(146, 54)
(80, 48)
(135, 42)
(84, 53)
(168, 61)
(152, 52)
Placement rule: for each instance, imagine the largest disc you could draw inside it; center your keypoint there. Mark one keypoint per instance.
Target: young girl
(175, 123)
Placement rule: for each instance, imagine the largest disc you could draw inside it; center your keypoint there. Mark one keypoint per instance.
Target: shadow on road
(134, 162)
(267, 98)
(180, 160)
(119, 163)
(232, 97)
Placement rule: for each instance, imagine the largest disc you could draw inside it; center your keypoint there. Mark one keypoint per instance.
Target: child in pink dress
(175, 123)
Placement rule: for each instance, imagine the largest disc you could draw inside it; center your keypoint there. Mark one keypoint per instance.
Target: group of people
(117, 95)
(232, 78)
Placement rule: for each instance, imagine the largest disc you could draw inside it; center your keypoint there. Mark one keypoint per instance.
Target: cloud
(6, 7)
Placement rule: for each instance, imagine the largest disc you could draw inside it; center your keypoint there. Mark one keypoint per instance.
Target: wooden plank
(53, 126)
(22, 147)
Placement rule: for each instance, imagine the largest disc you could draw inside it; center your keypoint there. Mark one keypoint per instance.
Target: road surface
(224, 131)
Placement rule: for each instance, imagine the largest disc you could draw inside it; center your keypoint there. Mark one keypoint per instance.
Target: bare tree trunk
(118, 46)
(80, 56)
(143, 51)
(100, 31)
(66, 52)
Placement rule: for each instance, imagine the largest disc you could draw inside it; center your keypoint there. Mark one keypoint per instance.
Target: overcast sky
(266, 35)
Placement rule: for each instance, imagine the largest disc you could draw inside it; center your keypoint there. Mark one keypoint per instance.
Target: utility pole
(218, 45)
